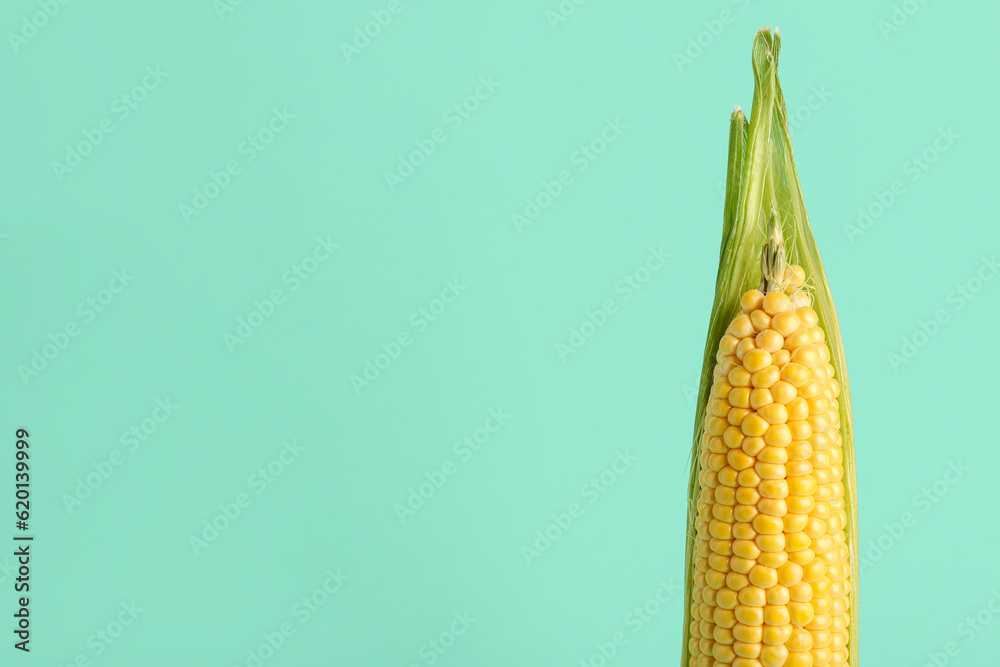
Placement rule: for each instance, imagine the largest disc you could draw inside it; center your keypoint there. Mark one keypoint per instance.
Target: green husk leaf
(763, 193)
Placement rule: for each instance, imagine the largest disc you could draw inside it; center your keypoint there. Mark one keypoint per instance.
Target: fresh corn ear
(771, 562)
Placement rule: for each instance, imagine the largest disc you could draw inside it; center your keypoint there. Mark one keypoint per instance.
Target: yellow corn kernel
(790, 574)
(771, 542)
(794, 278)
(798, 468)
(760, 397)
(744, 531)
(723, 636)
(723, 653)
(728, 344)
(769, 340)
(800, 450)
(801, 337)
(721, 547)
(777, 435)
(717, 425)
(721, 389)
(745, 549)
(798, 409)
(776, 302)
(826, 605)
(748, 478)
(754, 425)
(744, 514)
(745, 346)
(793, 373)
(821, 638)
(763, 576)
(736, 581)
(801, 430)
(741, 565)
(785, 323)
(801, 592)
(775, 413)
(773, 558)
(735, 416)
(777, 595)
(815, 570)
(719, 562)
(728, 476)
(779, 632)
(801, 639)
(783, 392)
(724, 618)
(822, 544)
(753, 445)
(799, 659)
(739, 397)
(747, 633)
(746, 653)
(725, 495)
(776, 507)
(720, 529)
(756, 360)
(738, 377)
(802, 486)
(801, 613)
(770, 471)
(773, 455)
(741, 326)
(773, 656)
(747, 495)
(752, 300)
(725, 599)
(766, 377)
(753, 596)
(765, 524)
(723, 513)
(773, 488)
(807, 355)
(733, 436)
(752, 616)
(726, 364)
(719, 407)
(802, 556)
(821, 656)
(760, 320)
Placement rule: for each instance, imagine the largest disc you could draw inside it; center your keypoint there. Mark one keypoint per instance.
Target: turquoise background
(625, 395)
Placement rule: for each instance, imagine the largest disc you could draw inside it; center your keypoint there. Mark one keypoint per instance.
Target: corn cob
(772, 577)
